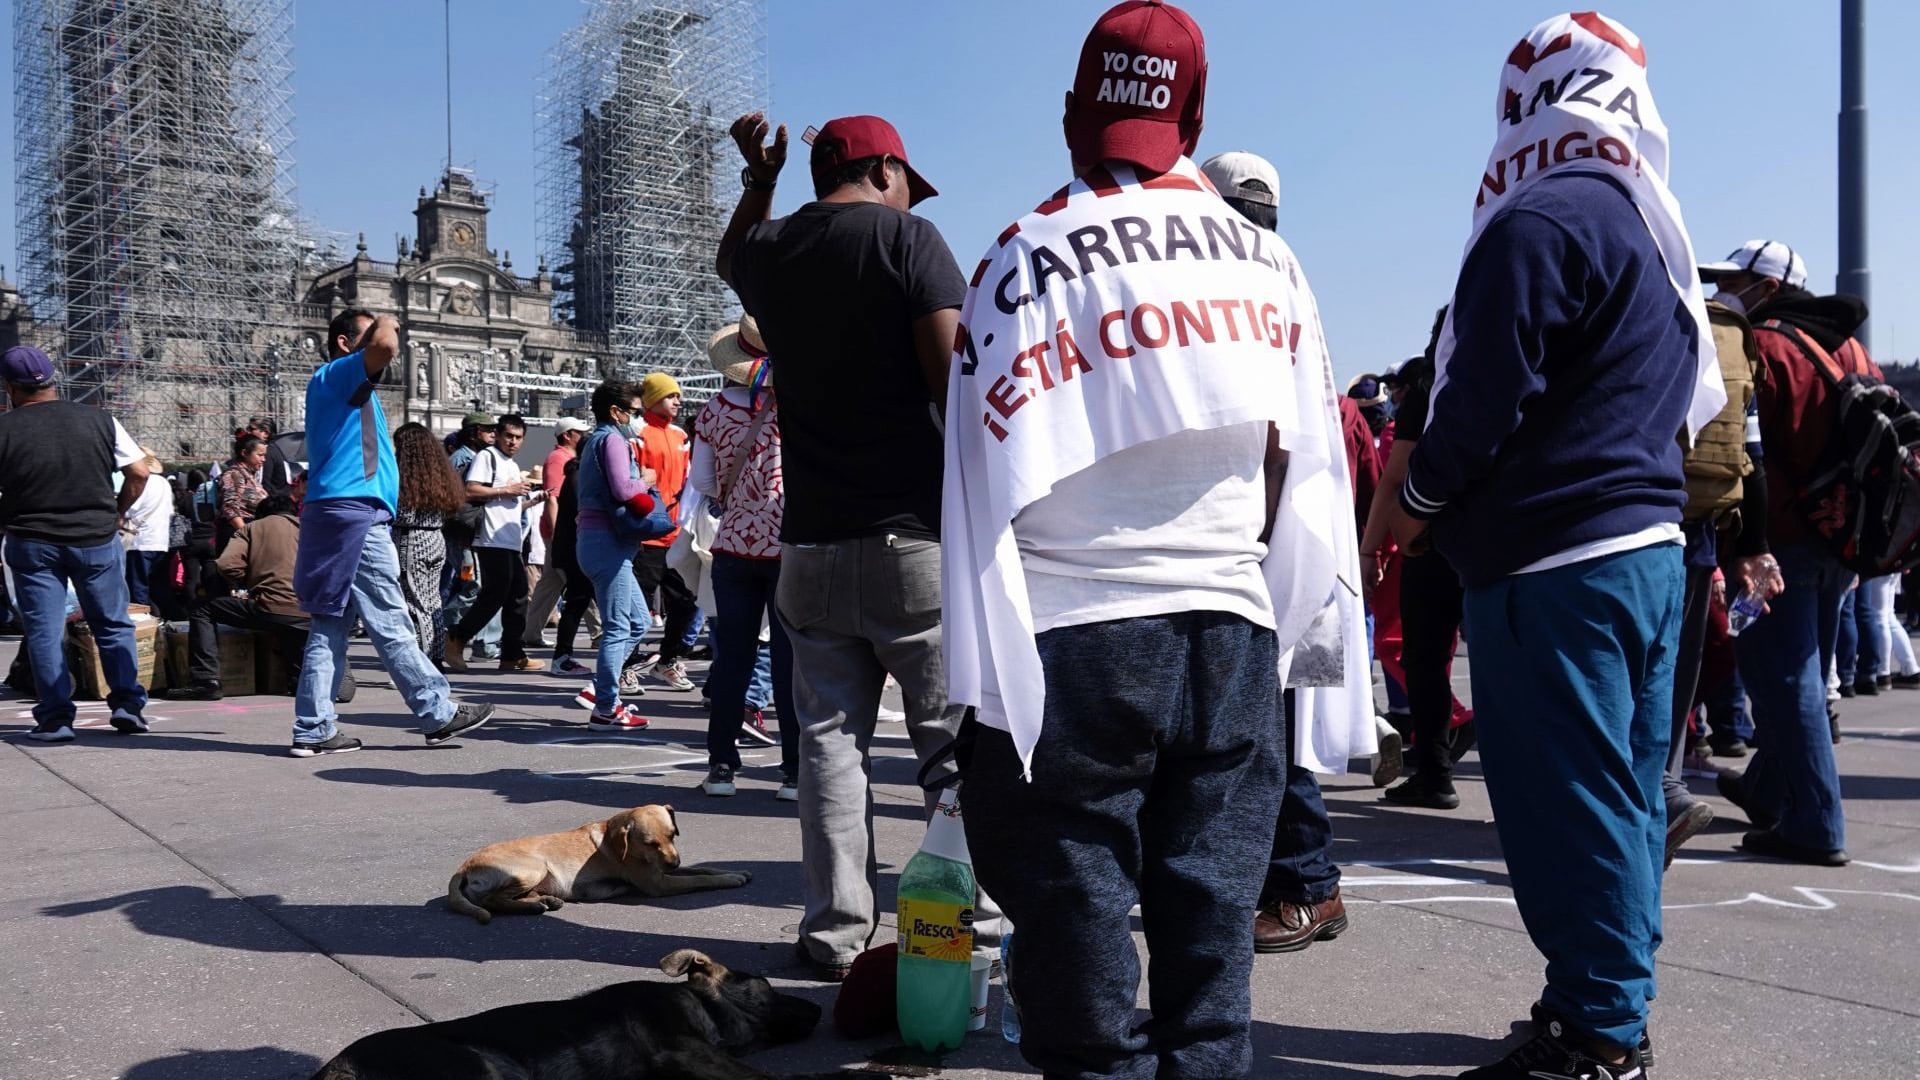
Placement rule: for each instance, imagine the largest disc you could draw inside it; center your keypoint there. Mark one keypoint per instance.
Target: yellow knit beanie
(656, 386)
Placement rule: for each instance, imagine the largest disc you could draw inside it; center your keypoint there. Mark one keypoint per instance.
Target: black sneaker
(1728, 784)
(1726, 745)
(127, 722)
(1770, 844)
(1684, 821)
(1552, 1054)
(339, 744)
(1905, 682)
(719, 782)
(196, 692)
(465, 718)
(1846, 690)
(52, 731)
(1867, 688)
(1541, 1018)
(1424, 792)
(1833, 728)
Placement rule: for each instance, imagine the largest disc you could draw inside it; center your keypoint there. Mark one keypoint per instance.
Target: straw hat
(735, 349)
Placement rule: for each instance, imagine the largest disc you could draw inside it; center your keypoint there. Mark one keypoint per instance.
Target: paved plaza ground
(193, 904)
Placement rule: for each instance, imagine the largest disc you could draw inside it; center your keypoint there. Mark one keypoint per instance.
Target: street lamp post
(1854, 277)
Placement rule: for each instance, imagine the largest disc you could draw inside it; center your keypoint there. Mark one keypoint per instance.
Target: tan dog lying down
(632, 851)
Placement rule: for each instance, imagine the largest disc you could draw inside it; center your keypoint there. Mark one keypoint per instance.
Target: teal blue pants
(1573, 692)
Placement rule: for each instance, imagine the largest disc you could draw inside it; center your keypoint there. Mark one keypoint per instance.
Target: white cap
(570, 423)
(1238, 174)
(1765, 258)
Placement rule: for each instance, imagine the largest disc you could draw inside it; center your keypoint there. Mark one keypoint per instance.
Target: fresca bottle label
(935, 930)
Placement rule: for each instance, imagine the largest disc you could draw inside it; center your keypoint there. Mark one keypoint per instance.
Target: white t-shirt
(151, 516)
(502, 528)
(1165, 526)
(125, 450)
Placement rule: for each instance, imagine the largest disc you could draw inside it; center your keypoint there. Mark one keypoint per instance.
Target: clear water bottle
(1742, 611)
(1009, 1008)
(934, 1000)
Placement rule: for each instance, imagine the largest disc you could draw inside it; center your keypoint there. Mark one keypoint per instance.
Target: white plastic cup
(982, 980)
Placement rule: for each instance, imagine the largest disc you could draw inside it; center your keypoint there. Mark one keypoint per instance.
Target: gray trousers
(546, 597)
(855, 611)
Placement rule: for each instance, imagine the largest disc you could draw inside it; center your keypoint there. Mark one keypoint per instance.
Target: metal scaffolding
(637, 172)
(154, 206)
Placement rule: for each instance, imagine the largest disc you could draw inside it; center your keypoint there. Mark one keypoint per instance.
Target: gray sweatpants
(855, 611)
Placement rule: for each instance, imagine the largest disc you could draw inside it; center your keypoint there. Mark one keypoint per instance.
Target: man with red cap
(1142, 453)
(857, 300)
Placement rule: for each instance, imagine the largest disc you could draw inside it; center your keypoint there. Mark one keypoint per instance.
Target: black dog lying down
(627, 1031)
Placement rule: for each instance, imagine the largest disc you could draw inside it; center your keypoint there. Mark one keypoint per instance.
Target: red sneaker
(623, 718)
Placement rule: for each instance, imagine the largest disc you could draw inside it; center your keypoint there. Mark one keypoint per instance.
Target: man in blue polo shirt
(347, 564)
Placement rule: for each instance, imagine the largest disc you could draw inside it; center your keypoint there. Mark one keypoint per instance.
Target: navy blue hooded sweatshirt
(1571, 374)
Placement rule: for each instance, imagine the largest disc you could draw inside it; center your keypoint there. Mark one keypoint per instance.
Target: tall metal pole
(447, 16)
(1854, 277)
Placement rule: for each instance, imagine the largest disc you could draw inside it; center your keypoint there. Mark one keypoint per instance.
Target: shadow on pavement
(1334, 1054)
(428, 930)
(614, 790)
(259, 1063)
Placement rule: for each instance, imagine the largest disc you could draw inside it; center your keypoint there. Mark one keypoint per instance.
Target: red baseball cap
(1138, 92)
(851, 138)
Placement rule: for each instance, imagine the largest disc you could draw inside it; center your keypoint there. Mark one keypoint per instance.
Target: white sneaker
(789, 789)
(51, 733)
(719, 782)
(674, 675)
(1387, 761)
(630, 683)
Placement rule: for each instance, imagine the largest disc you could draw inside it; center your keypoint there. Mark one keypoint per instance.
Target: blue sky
(1378, 115)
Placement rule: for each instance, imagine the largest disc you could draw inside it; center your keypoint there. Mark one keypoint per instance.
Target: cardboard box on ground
(248, 663)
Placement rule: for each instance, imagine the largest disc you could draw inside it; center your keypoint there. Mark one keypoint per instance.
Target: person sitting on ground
(258, 561)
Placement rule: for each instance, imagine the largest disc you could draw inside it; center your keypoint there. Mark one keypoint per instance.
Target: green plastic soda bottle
(935, 992)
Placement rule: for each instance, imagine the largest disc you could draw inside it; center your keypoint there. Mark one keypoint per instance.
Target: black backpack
(1864, 499)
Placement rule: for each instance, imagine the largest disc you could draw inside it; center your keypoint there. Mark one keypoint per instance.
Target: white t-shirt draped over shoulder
(1165, 526)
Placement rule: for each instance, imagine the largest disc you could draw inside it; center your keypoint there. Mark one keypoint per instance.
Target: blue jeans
(1727, 708)
(1869, 621)
(41, 573)
(1301, 868)
(141, 568)
(1152, 784)
(377, 601)
(1783, 661)
(608, 561)
(1573, 694)
(743, 592)
(1846, 637)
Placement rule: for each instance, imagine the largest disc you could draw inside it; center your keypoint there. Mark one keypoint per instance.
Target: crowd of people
(1126, 551)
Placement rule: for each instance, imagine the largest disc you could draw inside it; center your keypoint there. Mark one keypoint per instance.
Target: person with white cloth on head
(1576, 347)
(1139, 527)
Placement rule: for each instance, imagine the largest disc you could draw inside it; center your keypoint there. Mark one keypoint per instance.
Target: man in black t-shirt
(858, 301)
(61, 518)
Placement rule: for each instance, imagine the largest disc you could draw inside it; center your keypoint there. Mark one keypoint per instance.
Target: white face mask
(1735, 300)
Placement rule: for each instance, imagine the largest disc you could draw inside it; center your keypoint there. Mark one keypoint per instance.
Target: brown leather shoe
(1291, 927)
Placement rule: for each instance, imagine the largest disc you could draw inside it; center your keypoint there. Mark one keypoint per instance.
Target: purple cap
(26, 366)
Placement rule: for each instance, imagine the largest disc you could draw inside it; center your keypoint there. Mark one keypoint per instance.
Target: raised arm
(756, 202)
